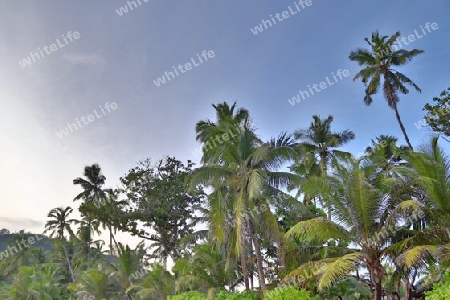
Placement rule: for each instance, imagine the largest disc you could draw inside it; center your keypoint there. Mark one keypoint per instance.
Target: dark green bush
(224, 295)
(287, 293)
(440, 290)
(188, 296)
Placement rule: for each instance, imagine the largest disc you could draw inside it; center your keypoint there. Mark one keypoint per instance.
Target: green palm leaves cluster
(59, 222)
(207, 269)
(39, 282)
(390, 207)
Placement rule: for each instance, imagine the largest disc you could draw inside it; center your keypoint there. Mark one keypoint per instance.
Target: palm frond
(339, 269)
(317, 229)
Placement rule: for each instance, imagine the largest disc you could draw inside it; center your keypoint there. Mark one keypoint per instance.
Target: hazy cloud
(23, 223)
(85, 59)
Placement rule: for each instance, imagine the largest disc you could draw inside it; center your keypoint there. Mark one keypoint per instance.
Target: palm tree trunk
(259, 266)
(244, 270)
(329, 210)
(397, 115)
(244, 262)
(89, 238)
(409, 285)
(376, 271)
(114, 239)
(281, 257)
(408, 295)
(110, 239)
(68, 261)
(378, 291)
(323, 166)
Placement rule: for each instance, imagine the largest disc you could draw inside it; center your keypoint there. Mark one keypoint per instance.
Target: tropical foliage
(288, 217)
(438, 114)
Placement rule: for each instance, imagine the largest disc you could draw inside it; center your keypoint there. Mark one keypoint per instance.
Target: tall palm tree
(60, 222)
(318, 145)
(92, 194)
(228, 121)
(378, 63)
(239, 170)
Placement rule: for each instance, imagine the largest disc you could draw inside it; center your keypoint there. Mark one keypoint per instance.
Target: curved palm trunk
(397, 115)
(259, 266)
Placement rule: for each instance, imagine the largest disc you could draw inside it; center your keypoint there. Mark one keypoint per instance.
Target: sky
(113, 58)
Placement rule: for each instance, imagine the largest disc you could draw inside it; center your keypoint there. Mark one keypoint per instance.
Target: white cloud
(85, 59)
(19, 223)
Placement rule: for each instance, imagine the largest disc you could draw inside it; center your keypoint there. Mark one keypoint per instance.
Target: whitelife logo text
(70, 37)
(187, 66)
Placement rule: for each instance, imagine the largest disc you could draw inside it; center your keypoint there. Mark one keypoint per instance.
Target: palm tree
(92, 194)
(129, 267)
(378, 64)
(208, 268)
(239, 170)
(83, 240)
(158, 284)
(430, 170)
(60, 223)
(318, 146)
(92, 185)
(361, 217)
(37, 282)
(94, 283)
(385, 155)
(228, 121)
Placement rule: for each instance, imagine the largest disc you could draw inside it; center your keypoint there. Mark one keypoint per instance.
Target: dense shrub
(219, 295)
(287, 293)
(351, 288)
(188, 296)
(249, 295)
(440, 290)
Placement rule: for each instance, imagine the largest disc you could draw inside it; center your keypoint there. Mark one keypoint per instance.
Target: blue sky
(117, 58)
